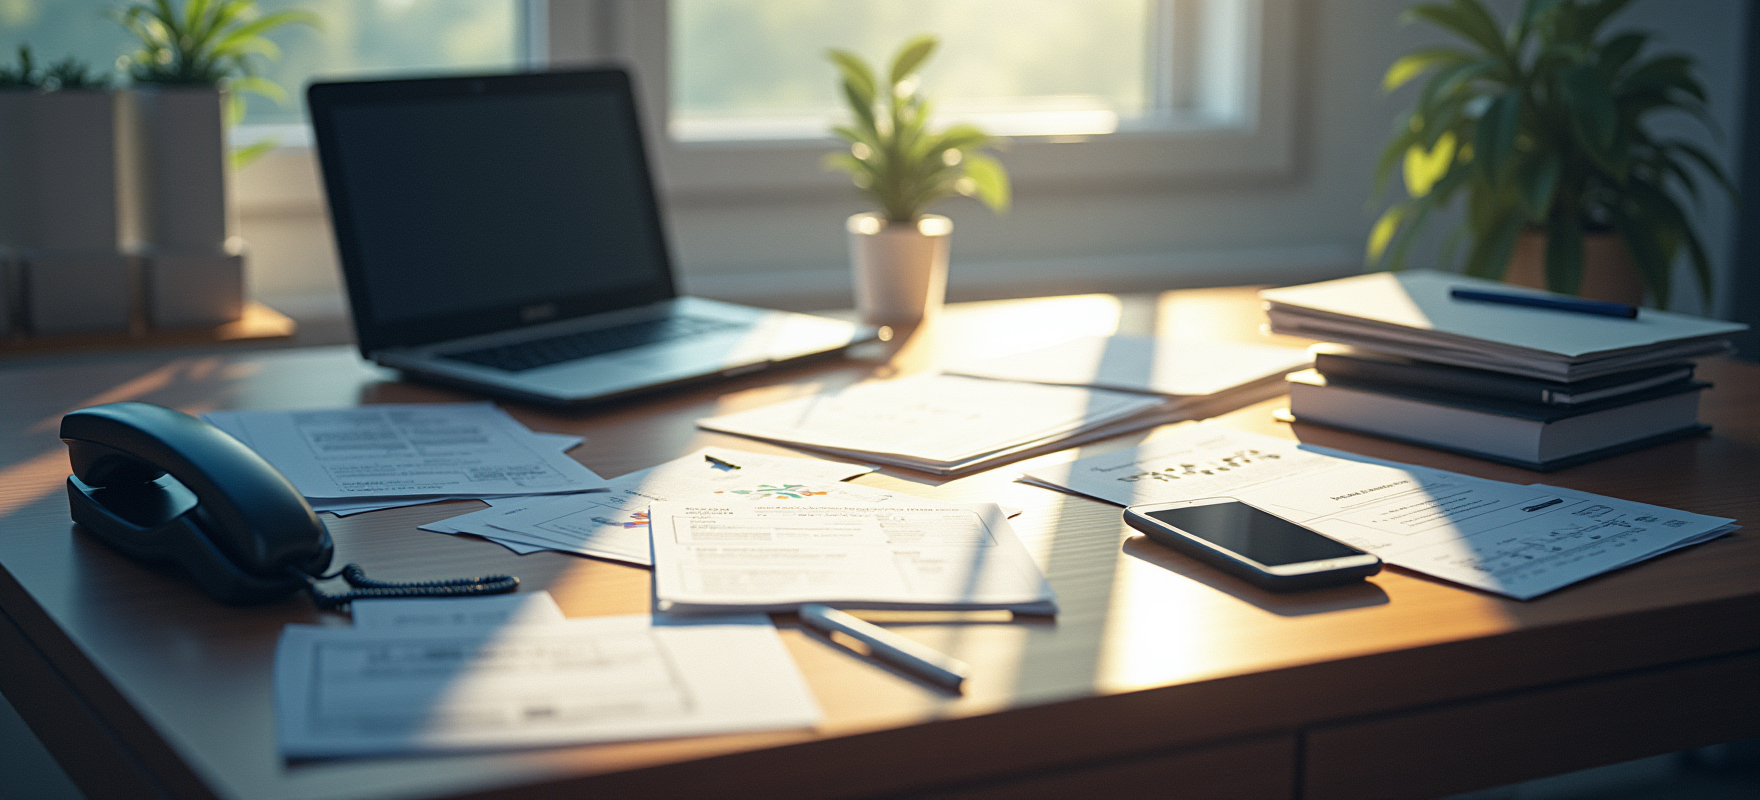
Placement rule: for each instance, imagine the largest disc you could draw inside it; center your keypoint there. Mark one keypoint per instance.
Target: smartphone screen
(1262, 537)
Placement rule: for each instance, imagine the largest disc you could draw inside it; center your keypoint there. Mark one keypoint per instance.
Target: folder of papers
(1411, 314)
(1519, 541)
(945, 423)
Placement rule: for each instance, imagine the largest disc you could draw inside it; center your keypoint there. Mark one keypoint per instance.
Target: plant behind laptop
(1544, 125)
(900, 254)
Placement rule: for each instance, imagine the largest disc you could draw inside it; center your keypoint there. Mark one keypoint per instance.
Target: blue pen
(1597, 307)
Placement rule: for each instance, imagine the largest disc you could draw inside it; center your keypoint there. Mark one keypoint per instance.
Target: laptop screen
(471, 205)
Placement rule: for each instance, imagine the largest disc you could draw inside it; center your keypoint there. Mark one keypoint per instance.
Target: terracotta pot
(1608, 270)
(900, 267)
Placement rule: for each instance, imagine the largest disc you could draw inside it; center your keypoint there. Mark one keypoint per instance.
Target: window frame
(565, 33)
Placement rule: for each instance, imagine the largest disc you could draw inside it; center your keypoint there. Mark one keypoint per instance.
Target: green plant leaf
(1494, 142)
(1382, 232)
(911, 55)
(1464, 17)
(857, 76)
(1564, 251)
(1594, 14)
(989, 181)
(1448, 81)
(1705, 162)
(1648, 254)
(1539, 181)
(1586, 94)
(1620, 50)
(1424, 168)
(1532, 11)
(1415, 63)
(1489, 257)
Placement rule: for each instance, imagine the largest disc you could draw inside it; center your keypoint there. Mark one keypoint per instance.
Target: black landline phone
(162, 486)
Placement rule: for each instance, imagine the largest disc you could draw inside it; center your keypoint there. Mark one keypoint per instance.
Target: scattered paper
(415, 450)
(722, 556)
(424, 613)
(943, 423)
(1520, 541)
(1144, 364)
(362, 691)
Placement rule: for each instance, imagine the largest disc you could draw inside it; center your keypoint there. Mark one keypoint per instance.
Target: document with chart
(1520, 541)
(721, 556)
(413, 689)
(614, 524)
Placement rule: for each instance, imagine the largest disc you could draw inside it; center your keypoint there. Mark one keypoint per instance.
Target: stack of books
(1535, 387)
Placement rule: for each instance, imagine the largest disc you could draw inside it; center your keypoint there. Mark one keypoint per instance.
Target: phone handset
(163, 486)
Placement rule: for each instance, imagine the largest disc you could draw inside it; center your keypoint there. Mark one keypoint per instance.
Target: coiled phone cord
(366, 588)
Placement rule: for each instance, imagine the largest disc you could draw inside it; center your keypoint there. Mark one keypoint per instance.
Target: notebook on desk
(502, 233)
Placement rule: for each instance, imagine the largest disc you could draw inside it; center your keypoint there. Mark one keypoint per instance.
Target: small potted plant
(195, 61)
(1543, 125)
(899, 254)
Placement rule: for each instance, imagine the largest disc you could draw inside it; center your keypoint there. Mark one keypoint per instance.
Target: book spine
(1367, 373)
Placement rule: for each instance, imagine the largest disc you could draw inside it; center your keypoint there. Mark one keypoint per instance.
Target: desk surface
(1158, 667)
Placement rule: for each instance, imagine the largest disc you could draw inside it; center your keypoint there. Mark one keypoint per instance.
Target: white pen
(931, 665)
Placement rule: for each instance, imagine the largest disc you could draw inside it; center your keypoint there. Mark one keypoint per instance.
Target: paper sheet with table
(1521, 541)
(421, 450)
(723, 556)
(405, 681)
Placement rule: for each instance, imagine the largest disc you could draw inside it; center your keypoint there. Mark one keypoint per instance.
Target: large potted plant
(899, 254)
(59, 184)
(1544, 126)
(196, 59)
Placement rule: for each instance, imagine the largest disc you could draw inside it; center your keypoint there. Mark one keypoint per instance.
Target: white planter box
(194, 290)
(59, 151)
(900, 269)
(177, 142)
(75, 292)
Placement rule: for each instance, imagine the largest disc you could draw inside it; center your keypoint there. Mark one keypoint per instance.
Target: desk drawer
(1515, 737)
(1247, 769)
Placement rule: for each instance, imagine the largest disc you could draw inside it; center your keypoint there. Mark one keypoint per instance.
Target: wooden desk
(1160, 676)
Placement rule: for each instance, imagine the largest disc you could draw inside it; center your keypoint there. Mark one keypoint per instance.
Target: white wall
(789, 251)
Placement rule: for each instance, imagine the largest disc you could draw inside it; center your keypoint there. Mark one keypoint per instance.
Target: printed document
(1520, 541)
(419, 449)
(721, 556)
(433, 613)
(614, 524)
(364, 691)
(942, 423)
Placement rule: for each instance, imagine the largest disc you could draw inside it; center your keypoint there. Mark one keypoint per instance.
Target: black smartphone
(1252, 543)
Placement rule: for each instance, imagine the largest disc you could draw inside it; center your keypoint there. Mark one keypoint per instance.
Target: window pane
(358, 37)
(756, 68)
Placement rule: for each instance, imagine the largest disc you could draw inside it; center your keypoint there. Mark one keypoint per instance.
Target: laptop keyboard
(568, 347)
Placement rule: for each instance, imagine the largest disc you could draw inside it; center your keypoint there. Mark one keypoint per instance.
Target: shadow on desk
(1294, 604)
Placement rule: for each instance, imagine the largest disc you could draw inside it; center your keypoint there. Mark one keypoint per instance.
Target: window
(358, 37)
(1101, 91)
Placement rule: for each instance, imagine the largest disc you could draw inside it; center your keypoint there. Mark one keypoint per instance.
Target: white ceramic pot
(59, 170)
(177, 142)
(194, 276)
(900, 268)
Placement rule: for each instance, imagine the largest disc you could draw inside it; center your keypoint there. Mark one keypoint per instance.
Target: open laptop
(502, 232)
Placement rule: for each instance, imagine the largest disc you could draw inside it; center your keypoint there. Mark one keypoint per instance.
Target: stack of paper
(719, 557)
(504, 672)
(1201, 378)
(946, 423)
(1411, 314)
(614, 524)
(350, 460)
(1520, 541)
